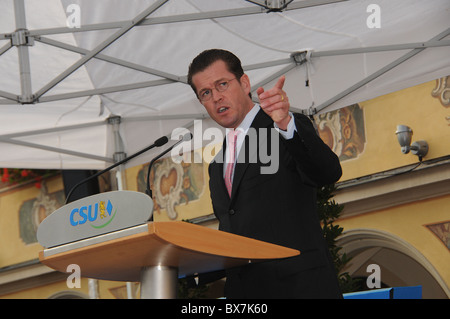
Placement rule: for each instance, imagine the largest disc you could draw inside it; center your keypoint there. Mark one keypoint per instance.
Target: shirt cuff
(291, 128)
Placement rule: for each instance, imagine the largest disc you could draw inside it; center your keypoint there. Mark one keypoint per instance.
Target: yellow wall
(408, 222)
(429, 120)
(13, 249)
(47, 291)
(414, 107)
(106, 290)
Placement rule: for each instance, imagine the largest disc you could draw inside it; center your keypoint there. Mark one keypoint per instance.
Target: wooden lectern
(157, 253)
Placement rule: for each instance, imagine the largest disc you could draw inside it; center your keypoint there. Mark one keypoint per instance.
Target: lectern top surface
(188, 247)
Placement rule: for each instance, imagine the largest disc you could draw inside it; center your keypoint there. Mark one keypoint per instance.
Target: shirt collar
(247, 121)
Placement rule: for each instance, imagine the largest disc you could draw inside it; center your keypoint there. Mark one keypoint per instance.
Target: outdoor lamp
(404, 136)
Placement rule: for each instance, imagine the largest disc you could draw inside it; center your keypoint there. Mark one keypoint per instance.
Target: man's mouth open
(222, 109)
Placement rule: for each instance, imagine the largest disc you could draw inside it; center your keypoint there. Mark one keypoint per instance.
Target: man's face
(227, 108)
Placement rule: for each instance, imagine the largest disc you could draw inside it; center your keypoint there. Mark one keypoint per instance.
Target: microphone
(186, 137)
(159, 142)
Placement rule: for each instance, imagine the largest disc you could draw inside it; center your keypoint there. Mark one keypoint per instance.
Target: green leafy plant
(329, 211)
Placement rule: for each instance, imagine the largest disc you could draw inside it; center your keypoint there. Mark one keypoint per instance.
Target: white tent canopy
(81, 80)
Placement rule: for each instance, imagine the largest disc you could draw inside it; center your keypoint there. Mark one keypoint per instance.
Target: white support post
(20, 39)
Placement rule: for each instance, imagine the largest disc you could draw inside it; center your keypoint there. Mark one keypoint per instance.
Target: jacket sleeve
(313, 157)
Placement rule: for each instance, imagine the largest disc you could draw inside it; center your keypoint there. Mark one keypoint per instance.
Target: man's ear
(245, 83)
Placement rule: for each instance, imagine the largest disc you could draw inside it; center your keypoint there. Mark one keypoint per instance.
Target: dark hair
(208, 57)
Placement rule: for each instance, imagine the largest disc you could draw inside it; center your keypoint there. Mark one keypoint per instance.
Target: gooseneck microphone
(186, 137)
(159, 142)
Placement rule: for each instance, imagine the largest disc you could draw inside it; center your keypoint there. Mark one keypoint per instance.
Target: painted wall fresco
(174, 184)
(442, 93)
(343, 131)
(442, 232)
(33, 211)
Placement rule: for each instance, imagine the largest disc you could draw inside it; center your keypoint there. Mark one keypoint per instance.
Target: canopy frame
(24, 39)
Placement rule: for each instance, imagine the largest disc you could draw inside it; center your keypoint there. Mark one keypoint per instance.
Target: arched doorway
(69, 295)
(401, 264)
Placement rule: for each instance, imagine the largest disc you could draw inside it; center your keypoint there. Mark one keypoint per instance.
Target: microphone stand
(159, 142)
(186, 137)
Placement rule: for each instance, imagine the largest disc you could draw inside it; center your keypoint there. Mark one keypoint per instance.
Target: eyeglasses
(221, 86)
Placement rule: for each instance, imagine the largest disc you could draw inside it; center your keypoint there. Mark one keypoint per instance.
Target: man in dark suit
(278, 204)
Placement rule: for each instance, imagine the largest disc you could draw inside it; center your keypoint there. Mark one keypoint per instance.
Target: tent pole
(128, 26)
(382, 48)
(274, 76)
(380, 72)
(112, 89)
(103, 57)
(54, 149)
(119, 174)
(146, 22)
(198, 16)
(54, 129)
(5, 48)
(20, 39)
(9, 96)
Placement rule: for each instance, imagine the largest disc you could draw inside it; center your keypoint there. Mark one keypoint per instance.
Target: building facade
(396, 215)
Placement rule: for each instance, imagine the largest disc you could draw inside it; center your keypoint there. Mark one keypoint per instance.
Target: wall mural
(343, 131)
(32, 212)
(442, 92)
(173, 183)
(442, 232)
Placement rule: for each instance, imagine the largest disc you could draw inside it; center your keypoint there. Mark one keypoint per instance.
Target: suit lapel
(217, 170)
(249, 153)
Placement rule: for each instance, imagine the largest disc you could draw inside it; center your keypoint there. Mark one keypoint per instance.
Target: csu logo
(96, 212)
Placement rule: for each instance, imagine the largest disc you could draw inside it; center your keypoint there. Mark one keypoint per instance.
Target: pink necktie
(232, 137)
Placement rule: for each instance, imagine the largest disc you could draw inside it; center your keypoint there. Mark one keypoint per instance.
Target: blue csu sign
(93, 216)
(92, 213)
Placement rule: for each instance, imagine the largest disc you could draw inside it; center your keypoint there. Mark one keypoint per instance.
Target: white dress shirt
(245, 125)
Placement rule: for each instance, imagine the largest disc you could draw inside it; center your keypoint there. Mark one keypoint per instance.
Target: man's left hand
(276, 103)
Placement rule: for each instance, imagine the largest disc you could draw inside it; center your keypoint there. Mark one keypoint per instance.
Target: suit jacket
(279, 208)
